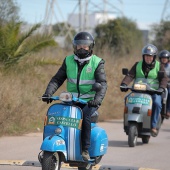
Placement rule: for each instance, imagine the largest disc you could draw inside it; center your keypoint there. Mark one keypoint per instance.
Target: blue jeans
(156, 109)
(168, 100)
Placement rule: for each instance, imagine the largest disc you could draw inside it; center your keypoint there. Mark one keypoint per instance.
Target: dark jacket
(59, 78)
(132, 74)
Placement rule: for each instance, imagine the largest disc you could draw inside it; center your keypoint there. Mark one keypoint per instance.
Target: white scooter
(138, 112)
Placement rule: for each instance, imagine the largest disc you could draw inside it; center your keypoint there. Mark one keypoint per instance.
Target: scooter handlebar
(151, 91)
(74, 99)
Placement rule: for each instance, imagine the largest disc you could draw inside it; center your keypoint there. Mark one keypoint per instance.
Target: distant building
(89, 22)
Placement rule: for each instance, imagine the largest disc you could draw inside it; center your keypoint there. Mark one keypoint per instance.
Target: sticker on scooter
(65, 121)
(139, 100)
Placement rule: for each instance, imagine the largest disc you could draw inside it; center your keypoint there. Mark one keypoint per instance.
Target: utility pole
(86, 15)
(165, 10)
(80, 15)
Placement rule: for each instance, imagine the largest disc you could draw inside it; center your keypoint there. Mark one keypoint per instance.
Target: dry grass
(22, 111)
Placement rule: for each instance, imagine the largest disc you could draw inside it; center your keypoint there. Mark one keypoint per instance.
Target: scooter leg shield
(135, 118)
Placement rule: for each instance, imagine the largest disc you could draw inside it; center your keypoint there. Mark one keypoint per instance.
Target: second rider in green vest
(81, 69)
(147, 71)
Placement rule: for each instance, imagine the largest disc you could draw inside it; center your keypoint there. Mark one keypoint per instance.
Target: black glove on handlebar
(160, 91)
(124, 87)
(46, 98)
(93, 103)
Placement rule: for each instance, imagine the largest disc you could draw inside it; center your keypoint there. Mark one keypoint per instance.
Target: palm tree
(15, 45)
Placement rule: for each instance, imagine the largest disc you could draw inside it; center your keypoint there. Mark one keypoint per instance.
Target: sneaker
(154, 132)
(85, 155)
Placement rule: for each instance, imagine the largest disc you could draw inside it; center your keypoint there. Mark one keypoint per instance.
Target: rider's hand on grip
(93, 103)
(123, 87)
(46, 98)
(160, 91)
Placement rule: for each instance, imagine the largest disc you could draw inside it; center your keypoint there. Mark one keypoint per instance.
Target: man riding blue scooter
(81, 69)
(147, 71)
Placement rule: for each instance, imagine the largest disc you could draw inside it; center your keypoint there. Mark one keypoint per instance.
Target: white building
(88, 22)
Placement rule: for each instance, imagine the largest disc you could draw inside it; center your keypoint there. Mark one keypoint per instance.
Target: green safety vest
(152, 79)
(85, 80)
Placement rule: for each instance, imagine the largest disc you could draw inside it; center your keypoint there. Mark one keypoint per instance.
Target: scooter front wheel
(132, 135)
(51, 161)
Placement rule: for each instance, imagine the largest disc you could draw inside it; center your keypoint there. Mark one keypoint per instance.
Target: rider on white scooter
(81, 69)
(147, 70)
(164, 57)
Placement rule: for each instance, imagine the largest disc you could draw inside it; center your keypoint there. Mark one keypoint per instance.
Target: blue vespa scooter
(62, 135)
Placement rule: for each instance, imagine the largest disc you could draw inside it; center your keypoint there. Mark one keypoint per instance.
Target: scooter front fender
(135, 118)
(53, 144)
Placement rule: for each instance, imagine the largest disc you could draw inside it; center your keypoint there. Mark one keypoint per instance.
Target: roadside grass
(21, 110)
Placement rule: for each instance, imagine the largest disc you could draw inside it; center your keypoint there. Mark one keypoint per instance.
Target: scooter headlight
(65, 97)
(140, 87)
(58, 130)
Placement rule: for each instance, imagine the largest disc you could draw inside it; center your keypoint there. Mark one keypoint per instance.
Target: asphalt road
(155, 155)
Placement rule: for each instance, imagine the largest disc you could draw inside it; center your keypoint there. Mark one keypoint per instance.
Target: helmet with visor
(83, 44)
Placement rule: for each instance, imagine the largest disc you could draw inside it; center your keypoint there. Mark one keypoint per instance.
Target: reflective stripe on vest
(152, 79)
(86, 79)
(81, 81)
(84, 96)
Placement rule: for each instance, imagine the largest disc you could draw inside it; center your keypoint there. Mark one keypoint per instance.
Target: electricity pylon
(165, 12)
(52, 8)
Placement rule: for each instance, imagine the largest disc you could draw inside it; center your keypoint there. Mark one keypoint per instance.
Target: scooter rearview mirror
(125, 71)
(96, 87)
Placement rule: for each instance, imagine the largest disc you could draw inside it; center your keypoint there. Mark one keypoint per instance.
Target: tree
(121, 36)
(62, 28)
(8, 11)
(162, 35)
(15, 45)
(65, 30)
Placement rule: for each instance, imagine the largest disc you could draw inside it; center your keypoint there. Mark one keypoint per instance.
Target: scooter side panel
(99, 142)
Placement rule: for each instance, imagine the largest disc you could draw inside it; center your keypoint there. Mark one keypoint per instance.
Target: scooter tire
(145, 139)
(51, 161)
(132, 135)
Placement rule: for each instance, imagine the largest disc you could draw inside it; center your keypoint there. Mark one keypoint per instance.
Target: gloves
(93, 103)
(160, 91)
(124, 87)
(46, 98)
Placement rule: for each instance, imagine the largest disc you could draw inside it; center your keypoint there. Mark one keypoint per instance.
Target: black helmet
(164, 54)
(150, 49)
(83, 38)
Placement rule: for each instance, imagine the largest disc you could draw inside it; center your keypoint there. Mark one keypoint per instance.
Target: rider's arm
(57, 80)
(131, 75)
(164, 80)
(100, 77)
